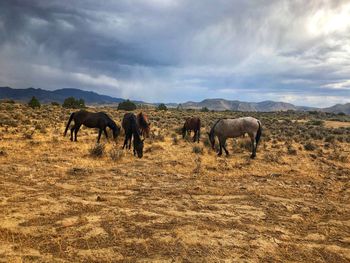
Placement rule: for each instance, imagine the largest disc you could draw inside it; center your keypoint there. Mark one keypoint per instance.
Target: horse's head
(138, 146)
(116, 132)
(211, 139)
(147, 130)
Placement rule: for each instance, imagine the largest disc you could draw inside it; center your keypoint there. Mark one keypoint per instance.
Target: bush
(9, 101)
(127, 105)
(54, 103)
(204, 109)
(73, 103)
(116, 154)
(34, 103)
(162, 107)
(315, 122)
(197, 149)
(309, 146)
(97, 150)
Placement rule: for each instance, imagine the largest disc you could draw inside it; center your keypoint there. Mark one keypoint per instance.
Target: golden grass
(60, 204)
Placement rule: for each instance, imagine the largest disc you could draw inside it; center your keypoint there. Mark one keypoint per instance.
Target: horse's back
(193, 123)
(128, 119)
(237, 127)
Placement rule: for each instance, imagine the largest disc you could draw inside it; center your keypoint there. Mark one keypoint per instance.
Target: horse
(98, 120)
(131, 129)
(192, 124)
(143, 124)
(231, 128)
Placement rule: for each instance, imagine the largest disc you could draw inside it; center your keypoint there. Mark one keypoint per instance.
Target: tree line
(73, 103)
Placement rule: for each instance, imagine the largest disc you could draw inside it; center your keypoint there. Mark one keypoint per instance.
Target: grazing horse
(231, 128)
(98, 120)
(192, 124)
(143, 124)
(131, 129)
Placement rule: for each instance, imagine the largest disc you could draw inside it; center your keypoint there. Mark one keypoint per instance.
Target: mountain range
(59, 95)
(91, 97)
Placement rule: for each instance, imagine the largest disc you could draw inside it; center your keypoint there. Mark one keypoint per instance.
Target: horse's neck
(111, 124)
(135, 131)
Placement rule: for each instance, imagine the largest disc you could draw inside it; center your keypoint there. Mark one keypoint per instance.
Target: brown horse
(143, 124)
(131, 129)
(192, 124)
(98, 120)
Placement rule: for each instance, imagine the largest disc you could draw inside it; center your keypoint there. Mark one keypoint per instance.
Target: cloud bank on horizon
(177, 50)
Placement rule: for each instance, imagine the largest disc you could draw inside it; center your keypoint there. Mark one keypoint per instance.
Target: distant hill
(265, 106)
(57, 95)
(235, 105)
(338, 108)
(91, 97)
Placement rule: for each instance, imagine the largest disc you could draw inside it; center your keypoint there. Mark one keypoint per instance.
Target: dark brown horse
(131, 129)
(192, 124)
(98, 120)
(143, 124)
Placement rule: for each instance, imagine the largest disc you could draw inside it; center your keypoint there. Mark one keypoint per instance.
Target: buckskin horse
(192, 124)
(131, 129)
(143, 124)
(232, 128)
(98, 120)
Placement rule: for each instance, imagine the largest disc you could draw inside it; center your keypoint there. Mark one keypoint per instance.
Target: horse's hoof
(252, 156)
(219, 154)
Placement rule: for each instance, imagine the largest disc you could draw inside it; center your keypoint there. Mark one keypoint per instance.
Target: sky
(180, 50)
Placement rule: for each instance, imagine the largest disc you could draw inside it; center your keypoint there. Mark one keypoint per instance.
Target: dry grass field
(61, 202)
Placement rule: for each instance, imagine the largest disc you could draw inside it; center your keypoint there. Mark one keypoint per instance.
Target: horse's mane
(111, 123)
(142, 119)
(212, 129)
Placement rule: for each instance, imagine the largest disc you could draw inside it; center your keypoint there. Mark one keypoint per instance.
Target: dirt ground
(178, 203)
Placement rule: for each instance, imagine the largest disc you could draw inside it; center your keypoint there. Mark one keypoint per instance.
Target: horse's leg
(99, 135)
(130, 138)
(105, 131)
(220, 144)
(71, 132)
(252, 139)
(224, 146)
(198, 135)
(76, 132)
(195, 136)
(125, 141)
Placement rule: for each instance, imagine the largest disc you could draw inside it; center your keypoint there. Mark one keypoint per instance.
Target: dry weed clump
(197, 149)
(309, 146)
(79, 171)
(116, 154)
(28, 134)
(3, 152)
(291, 150)
(97, 150)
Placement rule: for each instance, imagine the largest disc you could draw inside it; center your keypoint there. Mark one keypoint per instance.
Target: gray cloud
(176, 50)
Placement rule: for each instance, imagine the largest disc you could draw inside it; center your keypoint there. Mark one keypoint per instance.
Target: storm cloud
(177, 50)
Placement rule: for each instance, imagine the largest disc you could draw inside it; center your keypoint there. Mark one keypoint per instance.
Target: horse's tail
(258, 134)
(69, 121)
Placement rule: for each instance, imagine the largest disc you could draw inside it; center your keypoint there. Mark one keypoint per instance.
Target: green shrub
(197, 149)
(73, 103)
(34, 103)
(162, 107)
(309, 146)
(127, 105)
